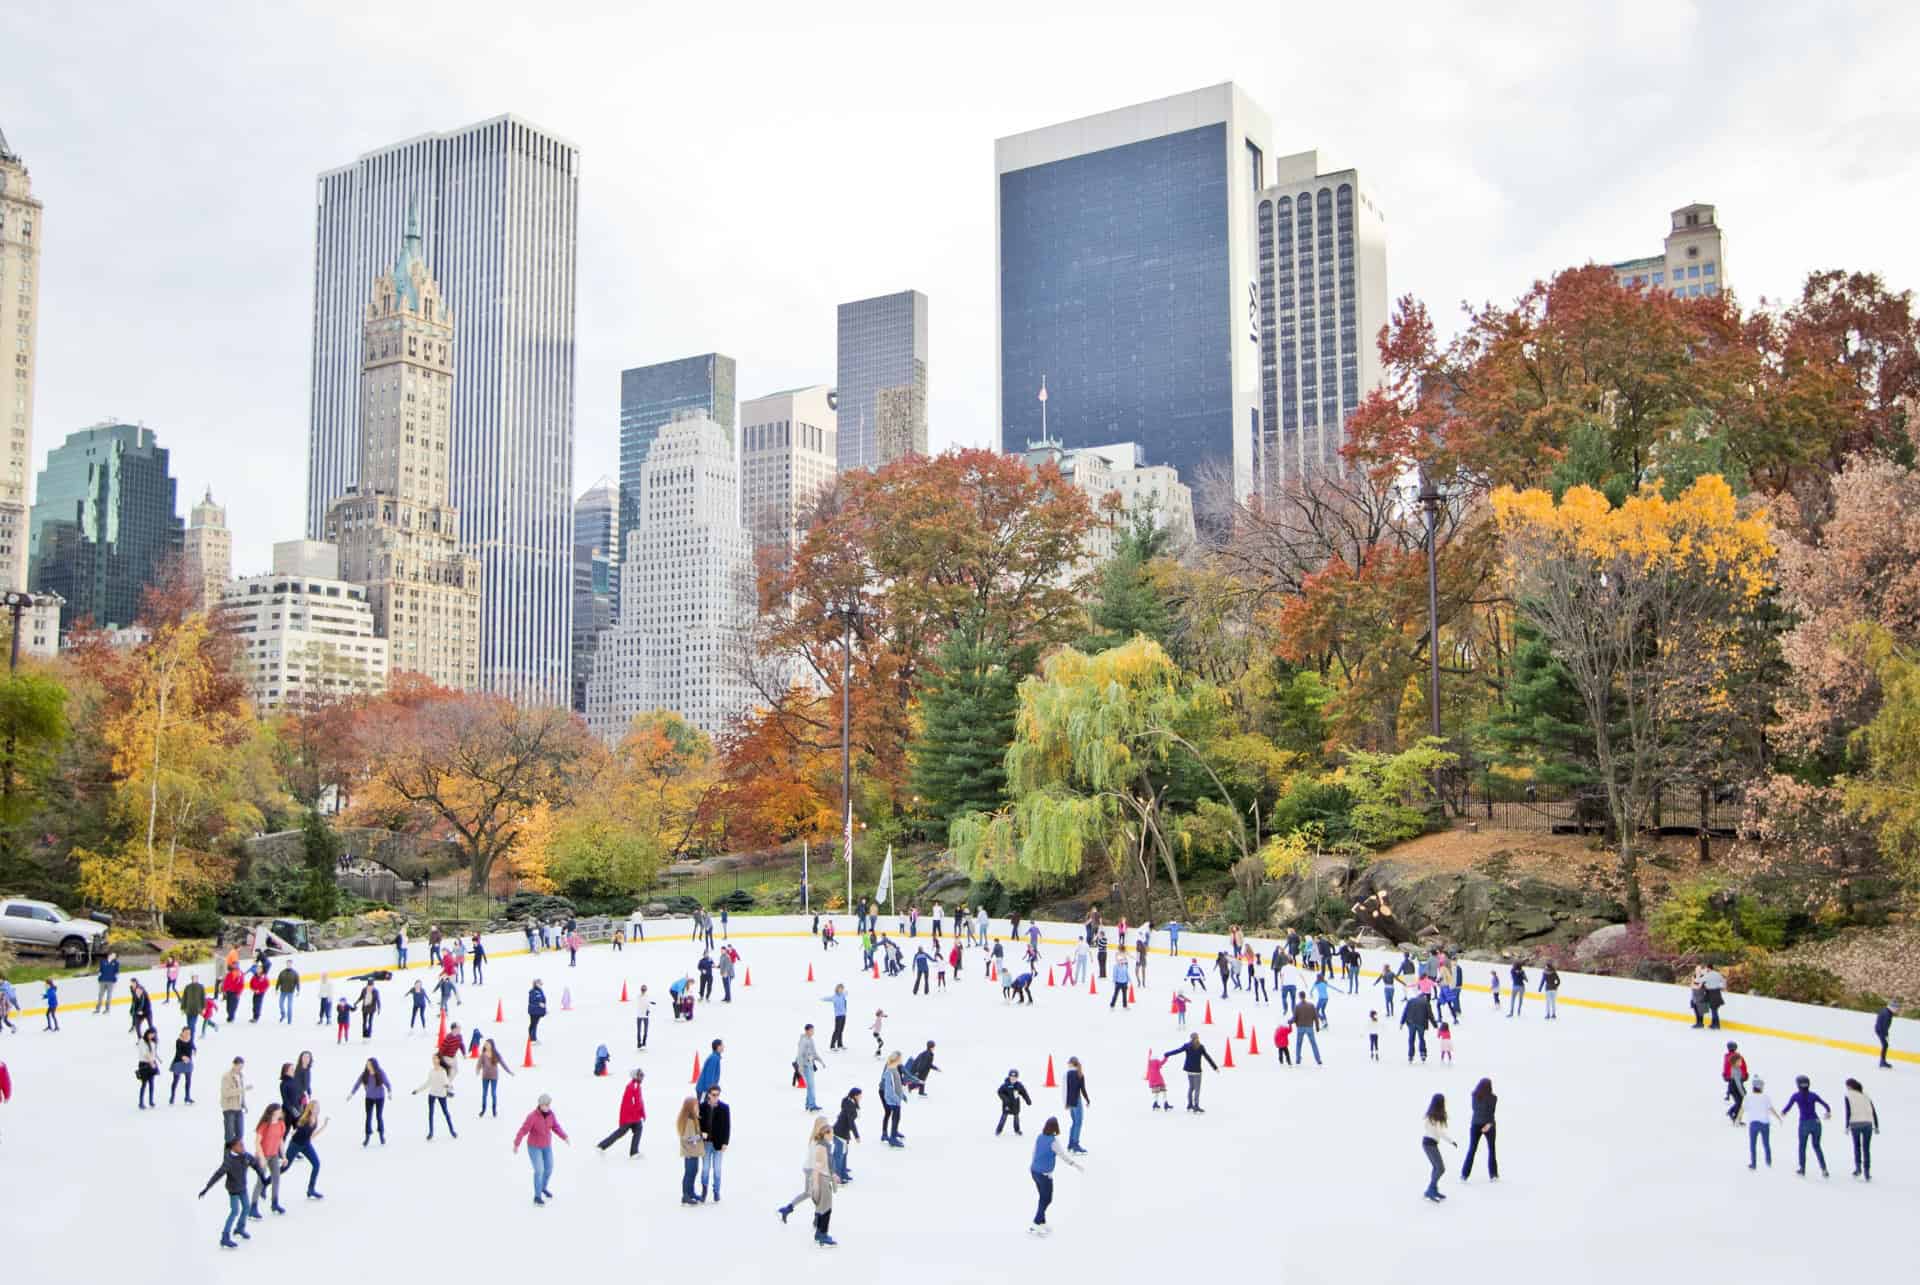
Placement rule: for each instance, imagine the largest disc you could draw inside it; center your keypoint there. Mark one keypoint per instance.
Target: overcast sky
(746, 167)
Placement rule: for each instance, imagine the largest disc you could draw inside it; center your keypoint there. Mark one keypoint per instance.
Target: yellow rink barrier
(1573, 1001)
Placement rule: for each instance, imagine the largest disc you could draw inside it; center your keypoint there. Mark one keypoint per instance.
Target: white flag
(885, 890)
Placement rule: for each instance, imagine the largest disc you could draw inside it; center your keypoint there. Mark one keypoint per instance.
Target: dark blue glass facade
(1115, 286)
(104, 524)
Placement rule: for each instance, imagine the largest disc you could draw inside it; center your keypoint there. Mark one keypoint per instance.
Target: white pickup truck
(43, 926)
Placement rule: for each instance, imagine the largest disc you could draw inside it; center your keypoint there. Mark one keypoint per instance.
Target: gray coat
(806, 1057)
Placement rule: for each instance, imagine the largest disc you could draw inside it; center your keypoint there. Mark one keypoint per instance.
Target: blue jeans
(1044, 1181)
(1516, 1001)
(1759, 1134)
(286, 1006)
(840, 1159)
(689, 1169)
(542, 1158)
(305, 1150)
(1303, 1036)
(1551, 996)
(1810, 1132)
(236, 1216)
(489, 1092)
(807, 1076)
(710, 1170)
(1073, 1135)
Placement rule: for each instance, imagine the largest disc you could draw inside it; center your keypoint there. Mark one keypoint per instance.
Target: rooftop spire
(6, 153)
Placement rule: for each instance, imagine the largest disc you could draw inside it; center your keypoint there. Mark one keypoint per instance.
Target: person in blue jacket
(51, 995)
(1193, 1054)
(109, 974)
(1046, 1152)
(839, 1001)
(1078, 1100)
(536, 1009)
(709, 1071)
(1173, 936)
(922, 963)
(1812, 1108)
(1883, 1028)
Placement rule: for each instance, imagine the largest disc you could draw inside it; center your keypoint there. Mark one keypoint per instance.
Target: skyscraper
(787, 455)
(22, 229)
(1323, 299)
(596, 568)
(396, 532)
(650, 398)
(683, 642)
(499, 206)
(1692, 263)
(1126, 281)
(882, 379)
(208, 550)
(104, 525)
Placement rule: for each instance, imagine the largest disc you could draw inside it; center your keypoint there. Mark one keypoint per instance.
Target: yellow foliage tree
(1652, 609)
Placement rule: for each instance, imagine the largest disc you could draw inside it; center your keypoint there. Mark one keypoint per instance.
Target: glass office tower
(104, 524)
(881, 380)
(1127, 283)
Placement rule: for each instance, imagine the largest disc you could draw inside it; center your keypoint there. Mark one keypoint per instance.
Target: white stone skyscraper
(21, 231)
(1323, 299)
(208, 550)
(499, 208)
(683, 642)
(788, 454)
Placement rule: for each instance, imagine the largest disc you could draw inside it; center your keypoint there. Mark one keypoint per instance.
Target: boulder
(1601, 941)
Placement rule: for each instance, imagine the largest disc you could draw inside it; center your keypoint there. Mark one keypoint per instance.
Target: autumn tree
(473, 768)
(1651, 608)
(1884, 793)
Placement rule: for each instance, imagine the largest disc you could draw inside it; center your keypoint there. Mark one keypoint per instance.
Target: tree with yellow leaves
(1653, 609)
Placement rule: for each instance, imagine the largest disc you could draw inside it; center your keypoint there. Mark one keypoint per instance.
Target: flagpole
(806, 892)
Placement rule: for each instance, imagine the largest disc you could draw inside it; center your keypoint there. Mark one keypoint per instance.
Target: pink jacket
(538, 1128)
(1156, 1080)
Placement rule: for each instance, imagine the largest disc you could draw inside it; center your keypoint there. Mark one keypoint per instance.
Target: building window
(1709, 267)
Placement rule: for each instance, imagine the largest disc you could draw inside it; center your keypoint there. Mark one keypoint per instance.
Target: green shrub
(1689, 923)
(737, 900)
(194, 921)
(1310, 801)
(536, 905)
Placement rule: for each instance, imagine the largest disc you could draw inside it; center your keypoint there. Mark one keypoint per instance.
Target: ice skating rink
(1616, 1156)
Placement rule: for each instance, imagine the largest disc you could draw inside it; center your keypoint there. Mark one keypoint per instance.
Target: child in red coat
(1281, 1034)
(1157, 1082)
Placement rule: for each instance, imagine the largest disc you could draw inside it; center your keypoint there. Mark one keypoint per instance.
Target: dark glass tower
(104, 523)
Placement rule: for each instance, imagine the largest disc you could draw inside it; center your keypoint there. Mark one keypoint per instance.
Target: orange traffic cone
(1208, 1019)
(1253, 1045)
(1173, 1004)
(1227, 1063)
(1093, 987)
(527, 1061)
(749, 979)
(809, 972)
(993, 974)
(1130, 995)
(876, 970)
(1049, 976)
(695, 1077)
(1240, 1027)
(441, 1038)
(623, 992)
(1051, 1083)
(499, 1010)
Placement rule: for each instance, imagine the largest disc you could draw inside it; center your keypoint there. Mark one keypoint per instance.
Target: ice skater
(1812, 1108)
(438, 1086)
(1046, 1152)
(490, 1066)
(893, 1095)
(633, 1116)
(1011, 1094)
(1759, 1113)
(1078, 1100)
(536, 1009)
(538, 1131)
(846, 1132)
(1863, 1121)
(1157, 1083)
(1733, 1073)
(1482, 1129)
(807, 1064)
(233, 1169)
(378, 1088)
(686, 1126)
(1883, 1028)
(1518, 999)
(1434, 1132)
(1194, 1059)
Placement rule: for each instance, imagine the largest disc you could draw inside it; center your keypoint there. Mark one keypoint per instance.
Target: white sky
(746, 167)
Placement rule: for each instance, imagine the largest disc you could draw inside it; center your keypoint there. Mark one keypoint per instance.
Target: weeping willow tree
(1086, 772)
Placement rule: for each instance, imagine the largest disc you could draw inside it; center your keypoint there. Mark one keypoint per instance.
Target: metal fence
(1577, 815)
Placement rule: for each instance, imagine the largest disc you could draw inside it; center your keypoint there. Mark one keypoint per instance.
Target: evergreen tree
(320, 897)
(1127, 599)
(1542, 725)
(959, 758)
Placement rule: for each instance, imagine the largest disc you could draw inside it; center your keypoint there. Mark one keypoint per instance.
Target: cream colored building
(1120, 488)
(1693, 264)
(397, 532)
(305, 634)
(39, 627)
(208, 550)
(21, 232)
(788, 455)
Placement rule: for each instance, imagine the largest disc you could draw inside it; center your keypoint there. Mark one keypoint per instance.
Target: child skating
(1446, 1042)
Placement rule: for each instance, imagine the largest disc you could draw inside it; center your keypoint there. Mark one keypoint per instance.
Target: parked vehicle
(43, 926)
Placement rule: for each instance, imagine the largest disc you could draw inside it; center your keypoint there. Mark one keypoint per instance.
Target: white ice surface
(1615, 1153)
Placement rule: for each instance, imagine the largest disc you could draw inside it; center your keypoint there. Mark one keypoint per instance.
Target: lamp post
(1430, 501)
(847, 613)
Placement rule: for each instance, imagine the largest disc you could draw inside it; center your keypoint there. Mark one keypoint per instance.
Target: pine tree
(1127, 600)
(320, 897)
(1542, 726)
(959, 758)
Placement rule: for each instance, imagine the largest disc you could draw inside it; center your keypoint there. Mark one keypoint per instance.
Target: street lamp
(1430, 501)
(847, 613)
(15, 604)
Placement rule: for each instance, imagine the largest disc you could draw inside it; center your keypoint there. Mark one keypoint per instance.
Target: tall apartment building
(22, 229)
(208, 550)
(788, 455)
(683, 642)
(1323, 300)
(881, 368)
(596, 564)
(305, 635)
(499, 213)
(653, 396)
(1693, 262)
(103, 527)
(1126, 281)
(397, 531)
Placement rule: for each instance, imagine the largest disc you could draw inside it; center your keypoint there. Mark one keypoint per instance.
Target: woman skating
(893, 1093)
(147, 1072)
(491, 1067)
(306, 1127)
(1482, 1129)
(1810, 1105)
(1046, 1153)
(378, 1088)
(233, 1169)
(538, 1130)
(182, 1065)
(686, 1127)
(820, 1182)
(270, 1136)
(438, 1086)
(1435, 1133)
(1863, 1121)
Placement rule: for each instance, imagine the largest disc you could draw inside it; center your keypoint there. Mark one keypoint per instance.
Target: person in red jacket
(232, 986)
(1733, 1069)
(633, 1116)
(258, 983)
